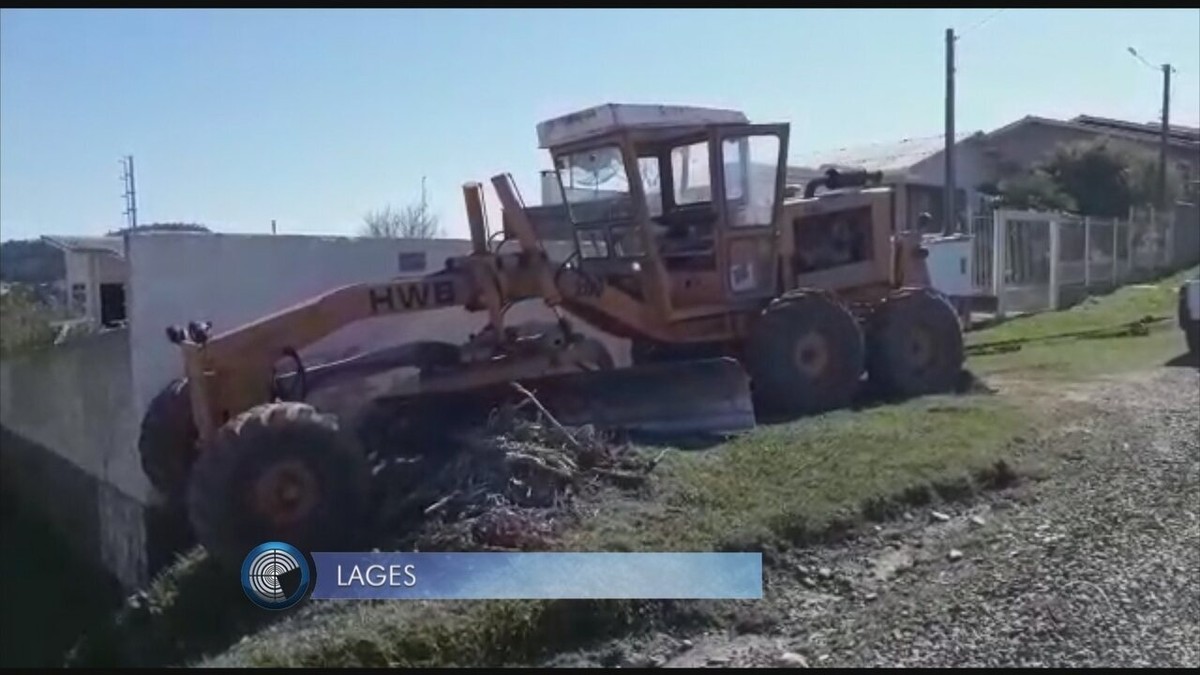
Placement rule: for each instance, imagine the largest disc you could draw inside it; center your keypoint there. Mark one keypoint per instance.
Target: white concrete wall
(73, 402)
(73, 399)
(233, 279)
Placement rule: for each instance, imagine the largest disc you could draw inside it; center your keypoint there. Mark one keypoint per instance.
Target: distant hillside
(160, 227)
(31, 261)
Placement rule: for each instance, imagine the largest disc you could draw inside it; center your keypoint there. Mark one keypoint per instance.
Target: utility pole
(949, 212)
(130, 192)
(1166, 134)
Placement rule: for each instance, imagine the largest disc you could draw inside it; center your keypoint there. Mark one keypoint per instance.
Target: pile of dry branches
(507, 485)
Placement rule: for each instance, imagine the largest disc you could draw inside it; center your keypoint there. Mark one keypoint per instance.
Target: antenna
(130, 191)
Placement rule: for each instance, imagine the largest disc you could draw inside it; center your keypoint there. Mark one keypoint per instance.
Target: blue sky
(311, 118)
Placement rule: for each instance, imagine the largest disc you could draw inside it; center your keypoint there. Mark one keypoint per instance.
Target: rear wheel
(805, 355)
(167, 442)
(278, 472)
(915, 345)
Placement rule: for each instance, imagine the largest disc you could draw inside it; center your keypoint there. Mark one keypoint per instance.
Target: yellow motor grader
(679, 238)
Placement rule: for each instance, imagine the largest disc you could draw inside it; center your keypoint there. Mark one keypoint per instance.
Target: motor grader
(736, 301)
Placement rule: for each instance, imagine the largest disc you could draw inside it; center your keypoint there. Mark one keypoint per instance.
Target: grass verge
(1082, 358)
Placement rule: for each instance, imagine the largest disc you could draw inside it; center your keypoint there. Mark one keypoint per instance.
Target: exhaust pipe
(835, 180)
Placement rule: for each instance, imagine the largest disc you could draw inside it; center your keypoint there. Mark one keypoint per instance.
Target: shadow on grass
(48, 596)
(1185, 360)
(871, 396)
(194, 607)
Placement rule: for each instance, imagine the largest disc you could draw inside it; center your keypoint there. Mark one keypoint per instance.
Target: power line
(979, 24)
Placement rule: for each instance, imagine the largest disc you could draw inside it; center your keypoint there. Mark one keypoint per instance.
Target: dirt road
(1095, 562)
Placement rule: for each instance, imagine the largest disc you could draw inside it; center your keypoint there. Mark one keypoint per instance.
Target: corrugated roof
(1177, 131)
(111, 245)
(1101, 127)
(887, 157)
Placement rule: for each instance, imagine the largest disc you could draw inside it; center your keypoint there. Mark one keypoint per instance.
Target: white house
(97, 275)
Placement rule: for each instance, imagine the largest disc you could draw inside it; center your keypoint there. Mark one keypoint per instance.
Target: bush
(24, 322)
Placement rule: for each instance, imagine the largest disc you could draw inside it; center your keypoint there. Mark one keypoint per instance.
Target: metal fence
(1050, 260)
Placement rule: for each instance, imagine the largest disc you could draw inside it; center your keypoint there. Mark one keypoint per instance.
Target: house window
(1189, 182)
(78, 299)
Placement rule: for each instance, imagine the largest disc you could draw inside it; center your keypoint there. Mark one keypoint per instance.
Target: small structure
(97, 275)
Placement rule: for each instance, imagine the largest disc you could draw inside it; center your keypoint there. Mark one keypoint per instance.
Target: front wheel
(278, 472)
(167, 441)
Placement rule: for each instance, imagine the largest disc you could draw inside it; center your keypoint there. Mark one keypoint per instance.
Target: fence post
(1054, 245)
(1129, 257)
(1087, 253)
(1168, 240)
(1116, 252)
(1152, 231)
(999, 255)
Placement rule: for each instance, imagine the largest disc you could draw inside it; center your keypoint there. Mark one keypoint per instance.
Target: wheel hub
(286, 493)
(919, 348)
(811, 354)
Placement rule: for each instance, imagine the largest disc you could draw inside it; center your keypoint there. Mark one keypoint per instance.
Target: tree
(1092, 178)
(415, 221)
(24, 322)
(1034, 191)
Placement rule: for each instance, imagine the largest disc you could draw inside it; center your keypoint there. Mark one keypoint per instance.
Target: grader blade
(705, 396)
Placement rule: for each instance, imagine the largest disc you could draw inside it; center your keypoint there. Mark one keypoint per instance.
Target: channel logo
(275, 575)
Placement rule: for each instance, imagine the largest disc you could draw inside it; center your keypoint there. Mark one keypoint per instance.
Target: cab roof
(610, 117)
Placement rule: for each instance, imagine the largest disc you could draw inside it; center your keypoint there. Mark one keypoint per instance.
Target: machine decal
(411, 295)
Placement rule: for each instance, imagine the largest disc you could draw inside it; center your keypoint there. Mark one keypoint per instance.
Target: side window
(689, 168)
(751, 166)
(651, 185)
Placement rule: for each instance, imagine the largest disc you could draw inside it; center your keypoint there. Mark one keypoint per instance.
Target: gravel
(1094, 563)
(1097, 565)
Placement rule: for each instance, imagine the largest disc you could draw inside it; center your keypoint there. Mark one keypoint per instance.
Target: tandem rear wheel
(914, 345)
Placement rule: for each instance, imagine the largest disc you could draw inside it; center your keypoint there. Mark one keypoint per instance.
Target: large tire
(167, 442)
(278, 472)
(1192, 336)
(914, 345)
(805, 355)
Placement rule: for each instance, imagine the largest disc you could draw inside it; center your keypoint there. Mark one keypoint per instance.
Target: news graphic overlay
(275, 575)
(537, 576)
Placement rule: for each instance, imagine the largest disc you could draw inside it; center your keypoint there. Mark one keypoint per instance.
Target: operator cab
(637, 181)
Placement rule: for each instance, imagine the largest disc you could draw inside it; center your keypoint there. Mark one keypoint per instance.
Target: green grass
(1075, 359)
(778, 487)
(787, 483)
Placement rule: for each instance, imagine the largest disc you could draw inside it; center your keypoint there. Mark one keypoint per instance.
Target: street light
(1166, 125)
